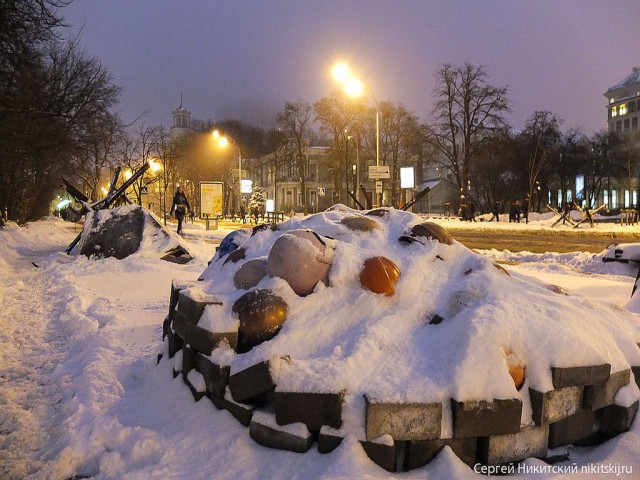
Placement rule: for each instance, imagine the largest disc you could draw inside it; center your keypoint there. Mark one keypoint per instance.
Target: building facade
(623, 107)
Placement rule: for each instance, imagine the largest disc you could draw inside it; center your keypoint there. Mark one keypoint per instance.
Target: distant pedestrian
(243, 213)
(472, 211)
(495, 211)
(180, 206)
(525, 210)
(514, 211)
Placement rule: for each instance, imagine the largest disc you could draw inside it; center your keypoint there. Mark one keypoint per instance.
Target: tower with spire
(181, 120)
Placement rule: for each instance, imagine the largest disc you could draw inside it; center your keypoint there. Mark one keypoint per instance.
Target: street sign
(376, 172)
(378, 187)
(322, 191)
(407, 177)
(246, 186)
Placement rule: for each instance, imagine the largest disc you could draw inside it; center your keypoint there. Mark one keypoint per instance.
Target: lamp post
(354, 87)
(223, 142)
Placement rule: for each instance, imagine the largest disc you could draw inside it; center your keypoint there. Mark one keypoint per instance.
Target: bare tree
(339, 119)
(294, 121)
(95, 151)
(467, 112)
(49, 92)
(541, 136)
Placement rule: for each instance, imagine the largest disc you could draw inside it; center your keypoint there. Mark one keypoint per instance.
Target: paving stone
(617, 419)
(420, 452)
(253, 381)
(599, 396)
(382, 455)
(570, 430)
(580, 376)
(312, 409)
(175, 343)
(202, 340)
(528, 442)
(215, 376)
(554, 405)
(269, 434)
(403, 421)
(328, 440)
(480, 418)
(192, 309)
(636, 374)
(240, 411)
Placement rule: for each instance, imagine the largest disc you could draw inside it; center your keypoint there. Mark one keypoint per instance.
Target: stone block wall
(579, 409)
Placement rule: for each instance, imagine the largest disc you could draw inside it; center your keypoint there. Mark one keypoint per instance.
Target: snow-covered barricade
(123, 231)
(381, 326)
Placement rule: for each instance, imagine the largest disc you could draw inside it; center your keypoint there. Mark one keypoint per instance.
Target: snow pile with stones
(398, 333)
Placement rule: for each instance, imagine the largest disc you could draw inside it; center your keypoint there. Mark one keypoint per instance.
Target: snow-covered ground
(81, 395)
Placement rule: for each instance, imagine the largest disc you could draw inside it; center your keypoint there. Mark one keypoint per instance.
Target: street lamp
(224, 141)
(355, 87)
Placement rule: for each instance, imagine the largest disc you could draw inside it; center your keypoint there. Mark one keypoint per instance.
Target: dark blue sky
(244, 59)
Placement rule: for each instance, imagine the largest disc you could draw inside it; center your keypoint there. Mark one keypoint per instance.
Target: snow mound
(456, 327)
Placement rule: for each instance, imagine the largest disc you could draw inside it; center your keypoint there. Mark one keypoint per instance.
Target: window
(618, 126)
(559, 198)
(626, 124)
(626, 199)
(614, 199)
(634, 123)
(605, 197)
(569, 196)
(632, 107)
(622, 109)
(634, 198)
(611, 100)
(614, 112)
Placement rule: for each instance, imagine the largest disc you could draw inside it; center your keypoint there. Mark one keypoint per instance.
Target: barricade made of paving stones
(579, 410)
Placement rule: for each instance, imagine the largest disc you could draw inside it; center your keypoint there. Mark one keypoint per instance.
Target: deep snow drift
(81, 393)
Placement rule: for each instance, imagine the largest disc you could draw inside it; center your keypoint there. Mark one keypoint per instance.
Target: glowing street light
(223, 141)
(355, 87)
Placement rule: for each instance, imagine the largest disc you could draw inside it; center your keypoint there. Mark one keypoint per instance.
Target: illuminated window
(614, 199)
(611, 100)
(626, 199)
(634, 196)
(614, 112)
(605, 197)
(569, 196)
(559, 198)
(622, 109)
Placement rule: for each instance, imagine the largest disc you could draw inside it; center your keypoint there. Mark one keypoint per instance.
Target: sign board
(246, 186)
(407, 177)
(211, 195)
(378, 187)
(322, 191)
(381, 171)
(270, 205)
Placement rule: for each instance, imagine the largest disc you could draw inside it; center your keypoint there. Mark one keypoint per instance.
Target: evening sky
(244, 59)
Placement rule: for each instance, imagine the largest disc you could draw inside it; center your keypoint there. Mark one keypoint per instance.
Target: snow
(81, 393)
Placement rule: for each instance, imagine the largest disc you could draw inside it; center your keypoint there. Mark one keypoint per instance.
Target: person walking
(495, 210)
(180, 206)
(525, 209)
